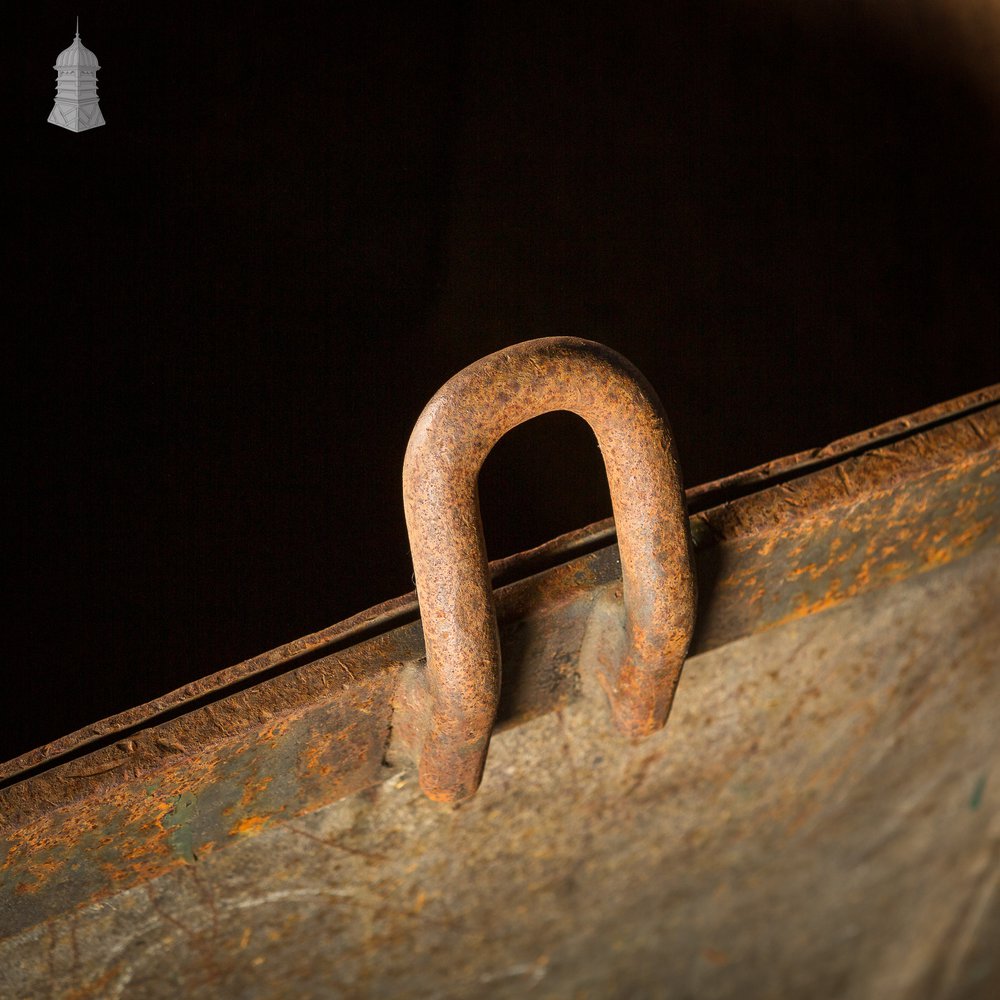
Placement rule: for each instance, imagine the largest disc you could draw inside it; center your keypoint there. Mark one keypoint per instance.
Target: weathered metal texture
(937, 449)
(202, 789)
(452, 723)
(317, 725)
(819, 819)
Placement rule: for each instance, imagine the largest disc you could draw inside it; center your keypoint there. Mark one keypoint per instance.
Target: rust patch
(249, 824)
(301, 739)
(253, 790)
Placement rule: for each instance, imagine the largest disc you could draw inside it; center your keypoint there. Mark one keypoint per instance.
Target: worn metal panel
(820, 818)
(837, 475)
(180, 800)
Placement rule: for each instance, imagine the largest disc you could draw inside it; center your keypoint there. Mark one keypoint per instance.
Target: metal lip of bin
(720, 510)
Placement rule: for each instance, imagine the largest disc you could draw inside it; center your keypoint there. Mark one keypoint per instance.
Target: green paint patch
(177, 823)
(977, 792)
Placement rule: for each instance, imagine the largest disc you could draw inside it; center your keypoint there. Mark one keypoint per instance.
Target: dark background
(228, 306)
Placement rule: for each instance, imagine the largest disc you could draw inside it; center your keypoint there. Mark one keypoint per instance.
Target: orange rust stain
(312, 758)
(146, 817)
(254, 788)
(275, 730)
(966, 507)
(971, 533)
(138, 871)
(133, 849)
(769, 544)
(812, 569)
(249, 824)
(40, 871)
(937, 557)
(804, 607)
(895, 569)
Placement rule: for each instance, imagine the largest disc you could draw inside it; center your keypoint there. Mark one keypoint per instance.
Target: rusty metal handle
(449, 443)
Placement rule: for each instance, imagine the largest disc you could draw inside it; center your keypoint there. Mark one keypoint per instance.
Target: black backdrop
(228, 305)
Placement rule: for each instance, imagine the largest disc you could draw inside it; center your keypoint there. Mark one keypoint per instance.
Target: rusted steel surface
(819, 819)
(453, 721)
(170, 793)
(385, 616)
(741, 483)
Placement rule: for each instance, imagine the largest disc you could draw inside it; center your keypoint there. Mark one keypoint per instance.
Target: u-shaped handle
(449, 443)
